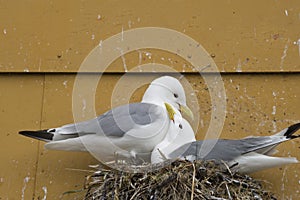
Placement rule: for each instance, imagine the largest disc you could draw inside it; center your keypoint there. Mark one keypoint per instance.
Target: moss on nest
(179, 180)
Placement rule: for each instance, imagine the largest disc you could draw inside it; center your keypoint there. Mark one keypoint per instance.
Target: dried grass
(178, 180)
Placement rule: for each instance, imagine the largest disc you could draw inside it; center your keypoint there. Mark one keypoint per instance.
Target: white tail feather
(253, 162)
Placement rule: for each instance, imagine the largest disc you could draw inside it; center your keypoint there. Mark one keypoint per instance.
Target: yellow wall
(50, 39)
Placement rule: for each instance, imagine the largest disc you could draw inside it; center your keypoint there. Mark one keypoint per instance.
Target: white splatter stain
(26, 70)
(123, 59)
(93, 37)
(274, 126)
(298, 43)
(26, 180)
(284, 54)
(4, 31)
(99, 17)
(282, 180)
(286, 13)
(274, 110)
(45, 192)
(148, 54)
(183, 67)
(239, 66)
(65, 84)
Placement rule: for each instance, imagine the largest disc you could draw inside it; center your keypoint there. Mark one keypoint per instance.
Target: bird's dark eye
(176, 95)
(180, 126)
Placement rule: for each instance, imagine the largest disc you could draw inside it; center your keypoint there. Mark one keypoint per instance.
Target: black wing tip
(291, 130)
(40, 135)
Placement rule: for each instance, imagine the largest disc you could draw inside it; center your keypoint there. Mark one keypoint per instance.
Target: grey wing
(226, 149)
(116, 122)
(260, 145)
(200, 150)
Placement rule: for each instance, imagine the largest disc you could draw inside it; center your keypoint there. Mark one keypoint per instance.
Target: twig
(193, 182)
(228, 192)
(228, 169)
(162, 154)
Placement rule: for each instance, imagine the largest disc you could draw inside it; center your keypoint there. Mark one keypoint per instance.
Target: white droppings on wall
(282, 181)
(65, 83)
(274, 110)
(45, 192)
(26, 180)
(123, 59)
(274, 126)
(239, 66)
(149, 55)
(284, 54)
(286, 12)
(183, 67)
(298, 43)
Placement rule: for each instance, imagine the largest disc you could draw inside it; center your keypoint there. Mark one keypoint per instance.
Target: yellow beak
(187, 111)
(170, 110)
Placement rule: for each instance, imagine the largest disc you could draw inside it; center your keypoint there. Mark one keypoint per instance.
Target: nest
(178, 180)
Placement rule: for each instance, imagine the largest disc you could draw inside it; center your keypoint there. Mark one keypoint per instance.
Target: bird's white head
(167, 89)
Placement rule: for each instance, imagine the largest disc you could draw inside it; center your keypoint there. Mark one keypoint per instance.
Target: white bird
(180, 132)
(125, 130)
(246, 155)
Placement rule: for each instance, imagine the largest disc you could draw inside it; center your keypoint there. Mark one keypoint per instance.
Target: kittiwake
(245, 155)
(126, 130)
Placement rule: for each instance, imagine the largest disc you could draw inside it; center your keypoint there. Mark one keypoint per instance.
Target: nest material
(179, 180)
